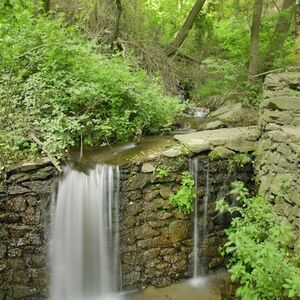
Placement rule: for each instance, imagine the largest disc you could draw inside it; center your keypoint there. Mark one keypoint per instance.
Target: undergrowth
(57, 85)
(263, 254)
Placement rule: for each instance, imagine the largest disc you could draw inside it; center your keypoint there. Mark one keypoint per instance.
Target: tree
(186, 27)
(254, 44)
(46, 6)
(280, 32)
(117, 25)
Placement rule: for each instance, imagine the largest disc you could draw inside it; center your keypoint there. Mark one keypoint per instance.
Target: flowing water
(199, 236)
(84, 246)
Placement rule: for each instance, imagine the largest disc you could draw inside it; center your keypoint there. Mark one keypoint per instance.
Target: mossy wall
(156, 238)
(24, 215)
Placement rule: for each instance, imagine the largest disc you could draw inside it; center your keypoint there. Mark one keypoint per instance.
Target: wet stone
(17, 204)
(3, 250)
(17, 189)
(14, 252)
(31, 216)
(35, 261)
(20, 277)
(39, 187)
(145, 231)
(148, 168)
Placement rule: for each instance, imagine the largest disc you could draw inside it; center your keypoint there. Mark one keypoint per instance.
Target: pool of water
(123, 153)
(212, 287)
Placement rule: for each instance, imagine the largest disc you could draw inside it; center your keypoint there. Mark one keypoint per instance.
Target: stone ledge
(240, 139)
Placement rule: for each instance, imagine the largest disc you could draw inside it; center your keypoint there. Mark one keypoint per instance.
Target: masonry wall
(156, 238)
(278, 153)
(24, 212)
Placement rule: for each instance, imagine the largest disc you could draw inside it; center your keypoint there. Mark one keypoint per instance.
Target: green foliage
(223, 75)
(57, 85)
(236, 160)
(185, 148)
(162, 171)
(213, 155)
(184, 198)
(259, 247)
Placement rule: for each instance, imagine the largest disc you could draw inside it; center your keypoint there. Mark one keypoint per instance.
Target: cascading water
(199, 235)
(194, 171)
(84, 245)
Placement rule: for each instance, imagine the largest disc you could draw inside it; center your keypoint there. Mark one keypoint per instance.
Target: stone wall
(24, 211)
(278, 153)
(156, 238)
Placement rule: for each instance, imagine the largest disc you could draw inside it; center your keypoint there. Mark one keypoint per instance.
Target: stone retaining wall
(156, 238)
(24, 211)
(278, 153)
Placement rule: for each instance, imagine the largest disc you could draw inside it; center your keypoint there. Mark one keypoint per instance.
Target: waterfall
(194, 171)
(84, 242)
(199, 236)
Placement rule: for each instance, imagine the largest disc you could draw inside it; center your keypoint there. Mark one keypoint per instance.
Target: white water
(84, 245)
(198, 278)
(194, 171)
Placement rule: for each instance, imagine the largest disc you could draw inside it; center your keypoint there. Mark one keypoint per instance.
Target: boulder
(240, 139)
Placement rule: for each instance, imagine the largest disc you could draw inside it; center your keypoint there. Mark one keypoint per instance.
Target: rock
(148, 168)
(31, 216)
(167, 251)
(138, 182)
(19, 177)
(173, 152)
(35, 261)
(133, 208)
(233, 114)
(21, 291)
(241, 139)
(150, 254)
(29, 166)
(20, 277)
(216, 262)
(3, 250)
(178, 231)
(17, 190)
(220, 152)
(39, 187)
(214, 125)
(145, 231)
(166, 192)
(39, 277)
(17, 204)
(282, 103)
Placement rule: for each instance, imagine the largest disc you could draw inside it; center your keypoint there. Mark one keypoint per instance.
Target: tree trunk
(279, 35)
(46, 6)
(186, 27)
(254, 44)
(117, 25)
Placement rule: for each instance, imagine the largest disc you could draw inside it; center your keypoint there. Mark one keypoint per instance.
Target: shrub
(57, 85)
(260, 250)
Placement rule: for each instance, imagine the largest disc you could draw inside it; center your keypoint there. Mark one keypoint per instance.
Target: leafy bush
(57, 85)
(260, 249)
(184, 198)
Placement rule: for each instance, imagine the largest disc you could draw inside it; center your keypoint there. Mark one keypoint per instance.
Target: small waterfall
(199, 235)
(84, 245)
(194, 171)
